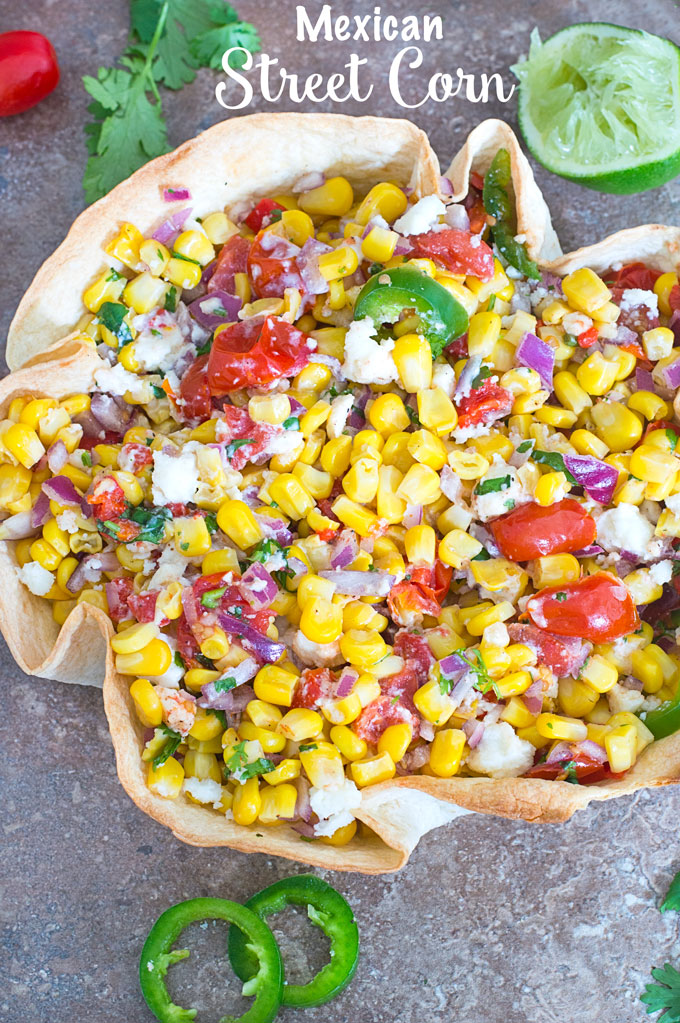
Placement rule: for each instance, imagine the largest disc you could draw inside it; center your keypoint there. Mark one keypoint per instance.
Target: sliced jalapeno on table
(329, 911)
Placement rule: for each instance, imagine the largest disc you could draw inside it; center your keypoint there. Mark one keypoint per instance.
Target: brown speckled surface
(492, 921)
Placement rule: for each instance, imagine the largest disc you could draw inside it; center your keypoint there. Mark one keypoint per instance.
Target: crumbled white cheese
(624, 528)
(498, 502)
(673, 502)
(634, 298)
(340, 410)
(444, 376)
(496, 634)
(170, 567)
(285, 443)
(173, 675)
(36, 578)
(334, 805)
(69, 521)
(661, 572)
(160, 345)
(118, 380)
(421, 216)
(366, 361)
(462, 434)
(621, 699)
(204, 790)
(501, 753)
(174, 479)
(321, 655)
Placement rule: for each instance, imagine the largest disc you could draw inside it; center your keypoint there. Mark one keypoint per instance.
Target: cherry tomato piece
(564, 655)
(272, 266)
(598, 607)
(194, 391)
(261, 215)
(635, 275)
(532, 531)
(254, 352)
(454, 250)
(588, 337)
(28, 71)
(484, 405)
(408, 600)
(232, 260)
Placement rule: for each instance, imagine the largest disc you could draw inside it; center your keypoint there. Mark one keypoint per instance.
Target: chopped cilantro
(304, 747)
(413, 415)
(211, 598)
(185, 259)
(152, 520)
(473, 658)
(86, 458)
(236, 611)
(236, 444)
(204, 661)
(113, 275)
(484, 374)
(394, 701)
(173, 739)
(211, 522)
(112, 316)
(170, 304)
(184, 546)
(375, 268)
(223, 685)
(672, 438)
(509, 504)
(555, 460)
(292, 423)
(569, 340)
(238, 757)
(482, 556)
(265, 550)
(491, 303)
(204, 349)
(178, 660)
(526, 445)
(158, 392)
(561, 596)
(493, 486)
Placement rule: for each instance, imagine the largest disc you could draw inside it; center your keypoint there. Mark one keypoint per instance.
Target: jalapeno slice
(265, 979)
(329, 911)
(388, 293)
(664, 720)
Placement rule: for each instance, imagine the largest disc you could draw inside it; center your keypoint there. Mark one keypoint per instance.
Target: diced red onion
(457, 216)
(212, 310)
(450, 484)
(562, 751)
(296, 407)
(674, 324)
(90, 569)
(671, 375)
(271, 527)
(257, 586)
(208, 272)
(40, 512)
(623, 336)
(355, 420)
(308, 265)
(277, 247)
(107, 411)
(493, 715)
(313, 179)
(403, 247)
(452, 665)
(303, 806)
(474, 730)
(533, 697)
(264, 648)
(345, 683)
(426, 730)
(345, 549)
(468, 374)
(234, 701)
(57, 456)
(593, 750)
(170, 228)
(62, 490)
(360, 584)
(362, 395)
(486, 538)
(190, 605)
(463, 686)
(537, 355)
(597, 478)
(297, 567)
(176, 194)
(413, 516)
(589, 552)
(630, 682)
(644, 381)
(549, 280)
(17, 527)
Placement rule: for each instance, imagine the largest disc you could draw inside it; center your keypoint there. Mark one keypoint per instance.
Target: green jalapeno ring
(266, 978)
(329, 911)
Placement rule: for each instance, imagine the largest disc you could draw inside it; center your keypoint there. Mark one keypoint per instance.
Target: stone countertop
(492, 921)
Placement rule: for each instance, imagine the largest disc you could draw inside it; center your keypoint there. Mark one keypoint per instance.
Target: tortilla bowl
(396, 813)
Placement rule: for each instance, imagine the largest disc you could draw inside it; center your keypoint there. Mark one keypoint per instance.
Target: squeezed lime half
(600, 104)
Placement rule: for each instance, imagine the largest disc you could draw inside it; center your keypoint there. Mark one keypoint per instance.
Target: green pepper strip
(497, 202)
(388, 293)
(266, 982)
(329, 911)
(665, 719)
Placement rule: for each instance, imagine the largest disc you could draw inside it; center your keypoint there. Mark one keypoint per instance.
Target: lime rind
(600, 104)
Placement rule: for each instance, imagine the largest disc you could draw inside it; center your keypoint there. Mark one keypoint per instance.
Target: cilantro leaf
(173, 739)
(413, 415)
(664, 996)
(292, 423)
(209, 47)
(484, 374)
(152, 520)
(493, 486)
(265, 550)
(672, 438)
(526, 445)
(170, 304)
(236, 444)
(238, 757)
(259, 766)
(672, 900)
(112, 316)
(555, 460)
(561, 596)
(223, 685)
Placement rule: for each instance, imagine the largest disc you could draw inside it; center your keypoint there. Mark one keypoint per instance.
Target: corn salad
(337, 547)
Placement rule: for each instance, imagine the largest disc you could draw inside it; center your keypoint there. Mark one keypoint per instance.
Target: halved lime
(600, 104)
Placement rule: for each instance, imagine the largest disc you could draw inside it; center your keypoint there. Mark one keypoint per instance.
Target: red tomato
(143, 607)
(28, 71)
(315, 686)
(261, 216)
(638, 351)
(239, 426)
(454, 250)
(136, 455)
(588, 337)
(393, 706)
(107, 499)
(575, 763)
(436, 577)
(564, 655)
(409, 601)
(674, 298)
(458, 349)
(272, 266)
(474, 203)
(194, 391)
(635, 275)
(659, 424)
(532, 531)
(117, 593)
(416, 652)
(255, 352)
(484, 404)
(598, 607)
(636, 317)
(232, 260)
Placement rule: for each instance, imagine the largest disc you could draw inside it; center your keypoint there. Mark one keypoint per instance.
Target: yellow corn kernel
(372, 770)
(24, 444)
(148, 706)
(514, 684)
(446, 752)
(653, 667)
(291, 495)
(643, 736)
(277, 804)
(154, 659)
(144, 292)
(420, 544)
(458, 546)
(298, 226)
(126, 245)
(379, 244)
(390, 507)
(557, 417)
(321, 621)
(420, 485)
(332, 199)
(396, 453)
(395, 740)
(351, 746)
(339, 263)
(182, 273)
(658, 343)
(216, 644)
(554, 726)
(586, 443)
(642, 586)
(312, 587)
(275, 685)
(621, 746)
(662, 289)
(166, 780)
(237, 520)
(205, 727)
(384, 200)
(517, 714)
(154, 255)
(219, 228)
(285, 770)
(555, 312)
(498, 284)
(649, 405)
(271, 742)
(413, 357)
(300, 724)
(529, 402)
(483, 333)
(224, 560)
(195, 678)
(500, 612)
(107, 288)
(323, 765)
(585, 291)
(555, 570)
(575, 698)
(599, 673)
(388, 414)
(427, 449)
(247, 802)
(652, 465)
(617, 426)
(361, 481)
(134, 638)
(362, 648)
(434, 705)
(343, 711)
(596, 375)
(271, 408)
(436, 411)
(263, 714)
(352, 515)
(45, 554)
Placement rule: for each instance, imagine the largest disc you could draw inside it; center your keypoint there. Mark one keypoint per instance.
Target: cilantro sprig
(664, 994)
(170, 41)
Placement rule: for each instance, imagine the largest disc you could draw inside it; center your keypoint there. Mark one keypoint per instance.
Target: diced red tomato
(456, 251)
(117, 593)
(143, 606)
(231, 599)
(272, 266)
(458, 349)
(408, 602)
(634, 275)
(314, 686)
(136, 456)
(588, 337)
(575, 763)
(598, 607)
(194, 391)
(436, 577)
(484, 405)
(261, 215)
(232, 260)
(564, 655)
(88, 441)
(255, 352)
(638, 351)
(107, 500)
(392, 707)
(636, 317)
(474, 203)
(674, 298)
(239, 426)
(532, 531)
(477, 181)
(416, 652)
